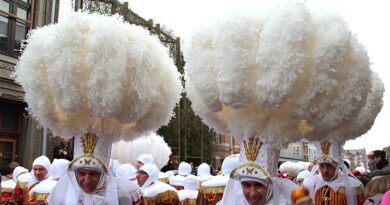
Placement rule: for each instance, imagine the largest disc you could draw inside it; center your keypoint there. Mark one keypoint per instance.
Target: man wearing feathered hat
(333, 186)
(89, 182)
(154, 191)
(250, 183)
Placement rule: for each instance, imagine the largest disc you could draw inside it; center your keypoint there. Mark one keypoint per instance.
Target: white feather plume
(280, 75)
(129, 151)
(94, 73)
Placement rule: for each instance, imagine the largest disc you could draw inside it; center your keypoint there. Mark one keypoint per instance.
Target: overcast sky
(367, 19)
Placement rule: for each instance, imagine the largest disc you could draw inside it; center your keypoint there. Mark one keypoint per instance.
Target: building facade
(357, 157)
(224, 146)
(300, 151)
(21, 139)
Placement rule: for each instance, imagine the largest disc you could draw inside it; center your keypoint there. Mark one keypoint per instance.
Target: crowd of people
(242, 180)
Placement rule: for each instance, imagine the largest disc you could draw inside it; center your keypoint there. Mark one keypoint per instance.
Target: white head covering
(331, 154)
(348, 162)
(68, 191)
(328, 154)
(204, 172)
(191, 182)
(290, 168)
(126, 171)
(18, 171)
(184, 169)
(251, 168)
(58, 168)
(190, 191)
(41, 161)
(170, 174)
(203, 169)
(145, 158)
(152, 171)
(113, 166)
(303, 174)
(229, 163)
(360, 169)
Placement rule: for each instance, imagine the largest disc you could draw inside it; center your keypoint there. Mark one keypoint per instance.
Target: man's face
(300, 182)
(310, 166)
(142, 176)
(254, 192)
(88, 179)
(40, 172)
(65, 141)
(139, 165)
(327, 171)
(377, 159)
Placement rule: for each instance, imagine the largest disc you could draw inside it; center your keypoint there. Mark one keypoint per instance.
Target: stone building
(357, 157)
(21, 139)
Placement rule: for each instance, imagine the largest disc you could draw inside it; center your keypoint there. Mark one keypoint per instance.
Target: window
(10, 117)
(14, 25)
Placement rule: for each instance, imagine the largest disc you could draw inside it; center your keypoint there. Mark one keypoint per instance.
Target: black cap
(380, 153)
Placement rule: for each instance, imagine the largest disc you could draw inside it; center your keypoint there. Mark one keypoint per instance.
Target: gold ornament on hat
(325, 158)
(325, 146)
(88, 159)
(252, 148)
(89, 142)
(251, 169)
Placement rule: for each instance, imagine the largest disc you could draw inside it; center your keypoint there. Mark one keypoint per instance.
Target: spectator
(380, 160)
(63, 150)
(380, 166)
(386, 198)
(172, 163)
(370, 162)
(13, 165)
(375, 189)
(6, 173)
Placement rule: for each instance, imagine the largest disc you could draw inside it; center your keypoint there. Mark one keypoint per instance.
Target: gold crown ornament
(326, 158)
(250, 169)
(88, 160)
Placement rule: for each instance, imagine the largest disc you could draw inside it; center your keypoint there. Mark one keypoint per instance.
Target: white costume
(58, 168)
(109, 191)
(154, 191)
(302, 175)
(162, 177)
(145, 159)
(178, 180)
(8, 187)
(250, 169)
(190, 192)
(41, 161)
(26, 182)
(126, 172)
(41, 192)
(204, 172)
(211, 191)
(341, 188)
